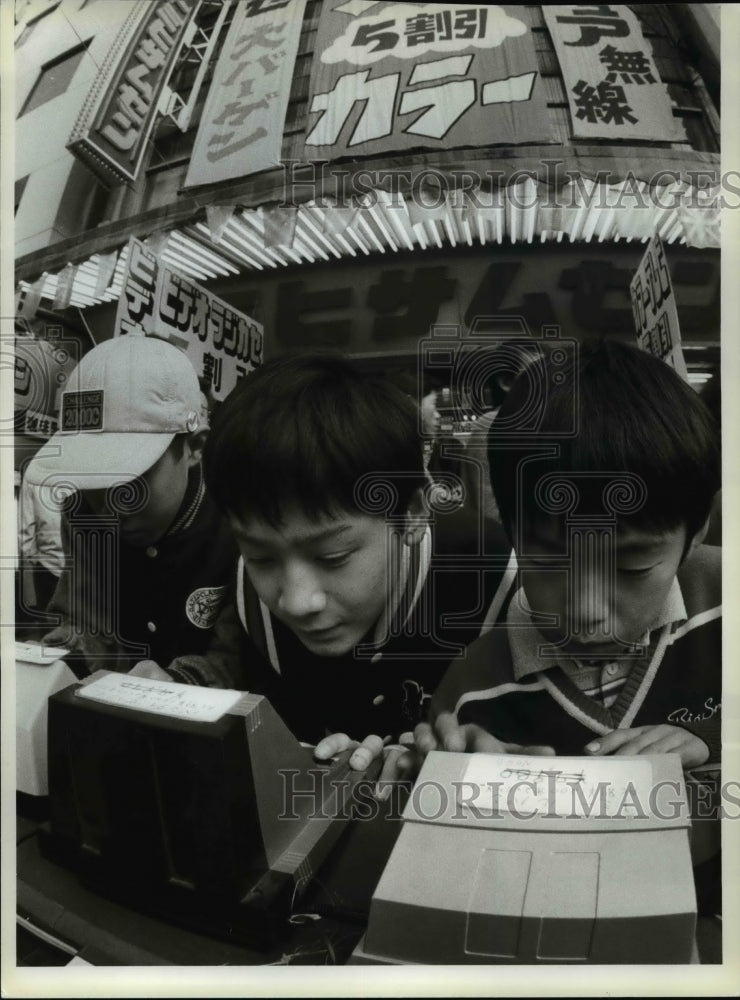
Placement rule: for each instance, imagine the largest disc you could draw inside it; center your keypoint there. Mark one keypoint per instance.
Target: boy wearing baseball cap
(148, 557)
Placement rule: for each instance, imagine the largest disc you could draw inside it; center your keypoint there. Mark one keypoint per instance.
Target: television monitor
(202, 810)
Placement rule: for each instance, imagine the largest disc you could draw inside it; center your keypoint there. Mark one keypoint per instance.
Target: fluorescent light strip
(235, 250)
(249, 237)
(249, 222)
(397, 217)
(210, 257)
(420, 235)
(607, 223)
(449, 225)
(364, 223)
(375, 216)
(512, 215)
(315, 216)
(435, 232)
(182, 254)
(305, 222)
(358, 240)
(339, 237)
(531, 212)
(177, 258)
(181, 264)
(481, 229)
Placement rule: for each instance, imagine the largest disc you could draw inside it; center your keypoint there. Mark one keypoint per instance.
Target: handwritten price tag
(562, 786)
(179, 701)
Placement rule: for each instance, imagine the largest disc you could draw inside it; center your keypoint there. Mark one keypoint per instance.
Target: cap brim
(96, 461)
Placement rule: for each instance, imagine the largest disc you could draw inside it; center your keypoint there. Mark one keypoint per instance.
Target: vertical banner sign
(614, 89)
(241, 129)
(395, 76)
(222, 344)
(113, 129)
(654, 308)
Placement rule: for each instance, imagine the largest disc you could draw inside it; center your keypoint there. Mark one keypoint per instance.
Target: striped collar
(195, 492)
(414, 561)
(525, 639)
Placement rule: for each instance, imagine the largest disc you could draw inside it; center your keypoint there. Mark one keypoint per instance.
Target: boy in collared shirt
(612, 641)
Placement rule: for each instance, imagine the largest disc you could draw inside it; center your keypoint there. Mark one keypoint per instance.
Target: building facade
(363, 176)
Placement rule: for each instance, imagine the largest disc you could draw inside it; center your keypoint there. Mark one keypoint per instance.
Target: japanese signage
(241, 129)
(222, 344)
(41, 370)
(385, 307)
(393, 76)
(41, 425)
(654, 308)
(111, 134)
(614, 89)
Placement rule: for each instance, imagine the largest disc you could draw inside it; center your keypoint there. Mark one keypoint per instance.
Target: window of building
(54, 78)
(20, 187)
(33, 21)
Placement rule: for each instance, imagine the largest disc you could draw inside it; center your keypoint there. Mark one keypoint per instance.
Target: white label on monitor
(557, 787)
(179, 701)
(34, 652)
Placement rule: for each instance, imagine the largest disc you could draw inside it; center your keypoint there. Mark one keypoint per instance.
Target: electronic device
(40, 671)
(524, 859)
(195, 804)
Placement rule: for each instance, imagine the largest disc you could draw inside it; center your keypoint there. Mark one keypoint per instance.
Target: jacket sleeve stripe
(495, 692)
(507, 581)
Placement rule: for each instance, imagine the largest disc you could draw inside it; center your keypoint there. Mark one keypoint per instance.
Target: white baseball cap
(124, 403)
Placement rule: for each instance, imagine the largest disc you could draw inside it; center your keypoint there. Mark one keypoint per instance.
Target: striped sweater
(678, 682)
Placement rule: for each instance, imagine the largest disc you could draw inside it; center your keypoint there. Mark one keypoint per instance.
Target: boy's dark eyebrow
(319, 536)
(638, 546)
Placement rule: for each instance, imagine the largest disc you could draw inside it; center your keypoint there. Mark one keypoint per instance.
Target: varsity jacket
(451, 585)
(502, 686)
(119, 604)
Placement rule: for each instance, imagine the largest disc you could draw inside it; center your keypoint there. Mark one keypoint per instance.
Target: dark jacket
(119, 604)
(384, 686)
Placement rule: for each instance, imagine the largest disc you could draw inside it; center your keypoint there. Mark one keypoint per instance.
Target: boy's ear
(698, 538)
(417, 518)
(194, 446)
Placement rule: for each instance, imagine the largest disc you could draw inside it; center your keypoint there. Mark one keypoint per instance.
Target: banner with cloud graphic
(395, 76)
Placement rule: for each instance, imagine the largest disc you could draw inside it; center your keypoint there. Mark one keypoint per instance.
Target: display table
(327, 924)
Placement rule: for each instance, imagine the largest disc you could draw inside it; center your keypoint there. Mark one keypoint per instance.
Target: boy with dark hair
(604, 466)
(148, 556)
(350, 604)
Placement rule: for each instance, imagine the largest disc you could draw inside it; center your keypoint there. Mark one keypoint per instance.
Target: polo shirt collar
(524, 638)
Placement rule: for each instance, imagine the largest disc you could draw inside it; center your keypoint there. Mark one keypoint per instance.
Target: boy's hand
(365, 753)
(337, 743)
(448, 734)
(652, 739)
(148, 668)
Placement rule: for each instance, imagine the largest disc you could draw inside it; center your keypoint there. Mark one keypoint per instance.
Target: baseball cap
(124, 403)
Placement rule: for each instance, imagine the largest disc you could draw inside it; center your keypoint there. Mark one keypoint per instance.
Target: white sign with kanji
(241, 128)
(613, 86)
(222, 343)
(393, 76)
(654, 308)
